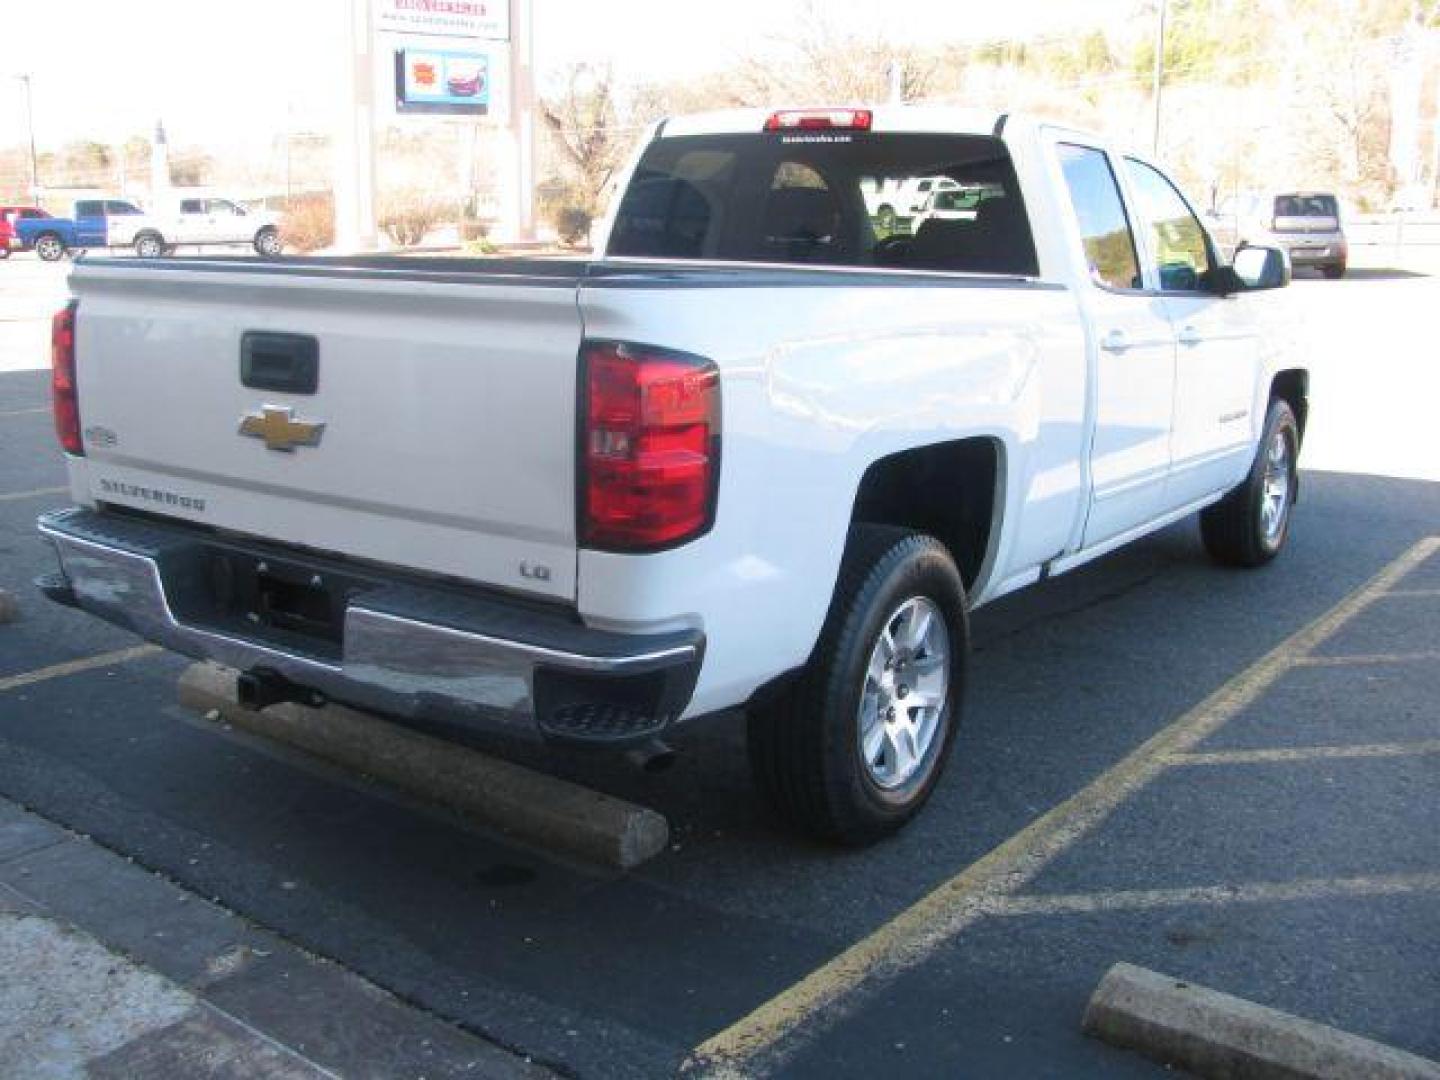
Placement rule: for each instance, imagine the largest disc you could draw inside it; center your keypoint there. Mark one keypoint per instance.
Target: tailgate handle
(286, 362)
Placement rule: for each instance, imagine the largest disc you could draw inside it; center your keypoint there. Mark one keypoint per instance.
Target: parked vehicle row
(119, 223)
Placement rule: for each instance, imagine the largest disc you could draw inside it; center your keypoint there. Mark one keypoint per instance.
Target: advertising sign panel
(442, 81)
(489, 19)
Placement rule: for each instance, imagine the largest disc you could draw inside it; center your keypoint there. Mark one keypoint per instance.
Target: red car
(8, 216)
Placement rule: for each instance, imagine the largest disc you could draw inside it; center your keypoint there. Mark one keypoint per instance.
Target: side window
(1104, 227)
(1177, 239)
(116, 208)
(89, 208)
(192, 206)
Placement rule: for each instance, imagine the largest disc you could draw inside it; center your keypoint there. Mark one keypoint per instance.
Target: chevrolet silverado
(756, 452)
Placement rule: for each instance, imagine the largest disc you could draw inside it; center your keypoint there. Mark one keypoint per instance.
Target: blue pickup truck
(95, 223)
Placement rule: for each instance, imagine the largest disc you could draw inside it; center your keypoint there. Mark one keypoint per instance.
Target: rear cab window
(1099, 209)
(828, 198)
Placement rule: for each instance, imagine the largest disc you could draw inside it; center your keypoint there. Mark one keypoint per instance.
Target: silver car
(1305, 223)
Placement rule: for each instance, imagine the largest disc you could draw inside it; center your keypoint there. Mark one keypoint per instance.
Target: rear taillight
(64, 392)
(649, 446)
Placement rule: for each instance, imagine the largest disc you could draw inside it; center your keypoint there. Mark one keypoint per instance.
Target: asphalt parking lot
(1229, 777)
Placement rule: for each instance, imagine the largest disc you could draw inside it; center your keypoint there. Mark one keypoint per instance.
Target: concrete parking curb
(1215, 1035)
(542, 810)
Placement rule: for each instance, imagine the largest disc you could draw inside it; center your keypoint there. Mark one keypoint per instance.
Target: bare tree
(585, 128)
(812, 62)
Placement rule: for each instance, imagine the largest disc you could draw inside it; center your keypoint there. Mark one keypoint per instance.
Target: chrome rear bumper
(404, 647)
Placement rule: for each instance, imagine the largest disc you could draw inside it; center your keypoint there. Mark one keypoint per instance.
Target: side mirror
(1257, 268)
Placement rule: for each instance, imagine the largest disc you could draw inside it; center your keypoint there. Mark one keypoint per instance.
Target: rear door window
(829, 199)
(89, 208)
(1105, 232)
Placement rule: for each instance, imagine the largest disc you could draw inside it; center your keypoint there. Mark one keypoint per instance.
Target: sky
(223, 71)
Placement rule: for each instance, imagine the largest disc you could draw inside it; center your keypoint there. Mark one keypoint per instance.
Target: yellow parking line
(764, 1036)
(1368, 659)
(16, 496)
(1214, 895)
(74, 667)
(1308, 753)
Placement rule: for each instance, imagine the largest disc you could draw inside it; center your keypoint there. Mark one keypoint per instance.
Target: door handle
(1115, 341)
(1188, 335)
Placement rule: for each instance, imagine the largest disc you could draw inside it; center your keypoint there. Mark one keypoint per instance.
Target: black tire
(150, 245)
(804, 743)
(1233, 529)
(50, 247)
(1334, 272)
(267, 242)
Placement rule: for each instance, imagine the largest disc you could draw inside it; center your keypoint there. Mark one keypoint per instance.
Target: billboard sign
(442, 81)
(488, 19)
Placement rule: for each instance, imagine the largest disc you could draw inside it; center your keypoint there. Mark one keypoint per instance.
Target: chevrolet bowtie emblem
(276, 424)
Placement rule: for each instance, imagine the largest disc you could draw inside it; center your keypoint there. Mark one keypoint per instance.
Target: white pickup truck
(208, 221)
(751, 455)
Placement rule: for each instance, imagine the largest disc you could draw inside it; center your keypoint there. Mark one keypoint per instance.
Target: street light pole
(1159, 75)
(30, 130)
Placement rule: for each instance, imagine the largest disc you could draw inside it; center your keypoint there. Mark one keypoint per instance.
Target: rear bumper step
(407, 648)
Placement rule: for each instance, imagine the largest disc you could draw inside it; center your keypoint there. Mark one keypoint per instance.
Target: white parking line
(1308, 753)
(74, 667)
(1213, 895)
(1368, 659)
(24, 412)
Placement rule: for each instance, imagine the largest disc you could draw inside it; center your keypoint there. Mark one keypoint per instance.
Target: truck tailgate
(447, 402)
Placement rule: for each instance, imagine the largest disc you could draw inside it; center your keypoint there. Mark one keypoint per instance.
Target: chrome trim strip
(537, 653)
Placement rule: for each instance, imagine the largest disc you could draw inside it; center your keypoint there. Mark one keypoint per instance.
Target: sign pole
(355, 147)
(518, 214)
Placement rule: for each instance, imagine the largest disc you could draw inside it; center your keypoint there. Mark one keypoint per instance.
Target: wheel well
(1293, 387)
(143, 233)
(947, 490)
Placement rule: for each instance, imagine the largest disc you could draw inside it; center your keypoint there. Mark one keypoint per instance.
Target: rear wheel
(853, 749)
(267, 242)
(1334, 271)
(1250, 525)
(50, 247)
(149, 245)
